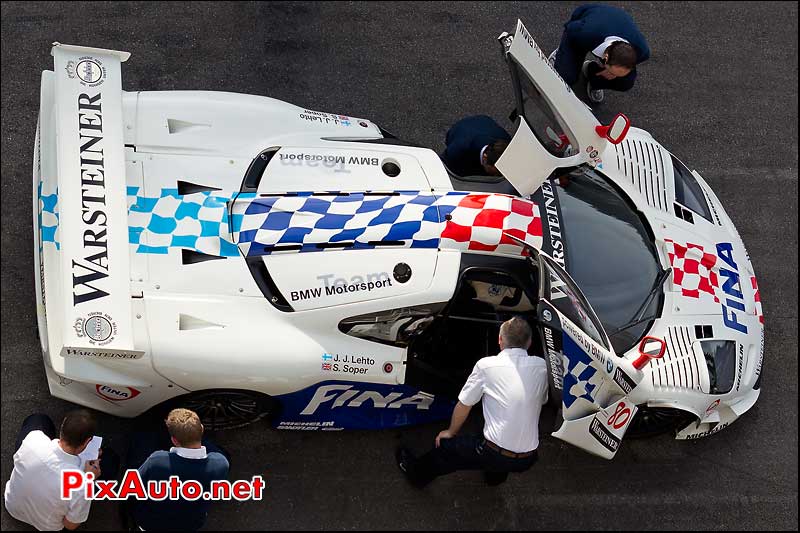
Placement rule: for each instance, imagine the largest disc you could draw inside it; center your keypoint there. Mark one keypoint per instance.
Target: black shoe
(404, 459)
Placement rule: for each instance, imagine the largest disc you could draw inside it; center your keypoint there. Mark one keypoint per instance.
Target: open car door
(555, 128)
(589, 383)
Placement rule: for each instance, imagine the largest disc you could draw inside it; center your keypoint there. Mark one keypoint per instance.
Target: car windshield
(607, 250)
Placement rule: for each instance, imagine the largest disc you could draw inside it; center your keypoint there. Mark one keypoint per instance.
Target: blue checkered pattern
(197, 221)
(579, 372)
(413, 217)
(48, 216)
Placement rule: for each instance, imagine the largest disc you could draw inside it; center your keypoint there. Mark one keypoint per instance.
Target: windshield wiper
(638, 318)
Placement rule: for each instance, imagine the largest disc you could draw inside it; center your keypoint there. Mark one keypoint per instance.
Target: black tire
(227, 409)
(652, 421)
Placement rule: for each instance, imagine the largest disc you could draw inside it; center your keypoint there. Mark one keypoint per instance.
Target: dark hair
(622, 54)
(494, 151)
(77, 427)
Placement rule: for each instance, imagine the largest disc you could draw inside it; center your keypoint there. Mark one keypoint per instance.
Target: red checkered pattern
(757, 298)
(692, 269)
(482, 222)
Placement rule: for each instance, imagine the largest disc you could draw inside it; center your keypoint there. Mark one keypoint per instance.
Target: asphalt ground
(720, 91)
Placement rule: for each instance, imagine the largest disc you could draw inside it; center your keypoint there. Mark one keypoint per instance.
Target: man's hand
(605, 73)
(93, 467)
(71, 526)
(446, 434)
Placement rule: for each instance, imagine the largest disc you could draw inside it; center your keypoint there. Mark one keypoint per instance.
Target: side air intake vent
(179, 126)
(685, 214)
(704, 332)
(642, 162)
(187, 187)
(190, 257)
(679, 367)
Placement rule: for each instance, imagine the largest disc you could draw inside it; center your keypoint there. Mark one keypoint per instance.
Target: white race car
(247, 257)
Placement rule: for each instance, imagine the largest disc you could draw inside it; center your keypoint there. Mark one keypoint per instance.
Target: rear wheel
(228, 409)
(652, 421)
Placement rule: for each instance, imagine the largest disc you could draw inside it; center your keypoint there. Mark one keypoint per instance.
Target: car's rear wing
(83, 255)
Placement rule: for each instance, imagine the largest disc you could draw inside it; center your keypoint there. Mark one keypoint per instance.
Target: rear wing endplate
(95, 270)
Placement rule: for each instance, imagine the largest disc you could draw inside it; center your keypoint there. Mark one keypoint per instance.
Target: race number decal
(620, 416)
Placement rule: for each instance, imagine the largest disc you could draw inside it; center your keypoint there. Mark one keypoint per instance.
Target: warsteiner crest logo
(89, 70)
(99, 327)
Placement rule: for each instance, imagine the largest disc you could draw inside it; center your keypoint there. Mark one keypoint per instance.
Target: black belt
(508, 453)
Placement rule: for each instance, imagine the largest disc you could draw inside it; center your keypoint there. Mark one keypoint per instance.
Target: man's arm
(72, 526)
(460, 414)
(470, 395)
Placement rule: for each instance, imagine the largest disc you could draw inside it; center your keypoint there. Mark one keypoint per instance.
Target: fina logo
(119, 394)
(347, 396)
(732, 287)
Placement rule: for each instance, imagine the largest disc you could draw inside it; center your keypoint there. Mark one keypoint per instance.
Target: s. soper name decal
(732, 287)
(90, 271)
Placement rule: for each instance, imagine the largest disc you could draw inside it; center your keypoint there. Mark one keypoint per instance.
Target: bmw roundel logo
(547, 315)
(98, 328)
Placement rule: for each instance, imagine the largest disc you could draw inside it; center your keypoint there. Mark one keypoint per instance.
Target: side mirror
(649, 348)
(616, 131)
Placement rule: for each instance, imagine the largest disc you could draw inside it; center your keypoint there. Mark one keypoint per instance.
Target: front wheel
(652, 421)
(228, 409)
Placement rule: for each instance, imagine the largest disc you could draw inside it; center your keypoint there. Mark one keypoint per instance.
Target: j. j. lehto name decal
(89, 272)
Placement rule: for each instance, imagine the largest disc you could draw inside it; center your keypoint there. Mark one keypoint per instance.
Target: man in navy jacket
(474, 144)
(188, 459)
(616, 46)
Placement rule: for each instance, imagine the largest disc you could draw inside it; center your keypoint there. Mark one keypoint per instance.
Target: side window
(542, 118)
(568, 300)
(688, 191)
(396, 327)
(721, 361)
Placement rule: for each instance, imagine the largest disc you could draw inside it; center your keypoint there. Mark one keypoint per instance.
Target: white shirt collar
(190, 453)
(600, 50)
(483, 150)
(515, 351)
(64, 456)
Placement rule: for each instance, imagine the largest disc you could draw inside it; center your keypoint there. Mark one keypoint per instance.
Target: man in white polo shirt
(33, 494)
(513, 386)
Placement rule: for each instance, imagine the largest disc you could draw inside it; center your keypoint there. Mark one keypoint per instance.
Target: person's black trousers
(109, 460)
(468, 452)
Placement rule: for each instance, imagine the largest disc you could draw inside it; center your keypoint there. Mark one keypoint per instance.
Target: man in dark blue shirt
(474, 144)
(613, 42)
(189, 460)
